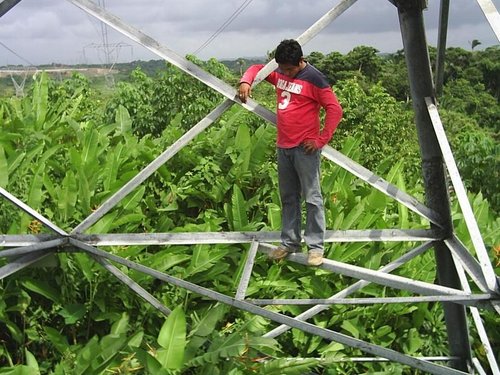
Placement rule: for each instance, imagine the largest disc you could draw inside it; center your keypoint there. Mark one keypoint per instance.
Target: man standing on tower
(301, 91)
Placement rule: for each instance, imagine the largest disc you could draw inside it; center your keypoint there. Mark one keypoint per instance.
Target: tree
(365, 60)
(474, 44)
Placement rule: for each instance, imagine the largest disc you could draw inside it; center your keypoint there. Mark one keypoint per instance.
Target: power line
(231, 18)
(15, 53)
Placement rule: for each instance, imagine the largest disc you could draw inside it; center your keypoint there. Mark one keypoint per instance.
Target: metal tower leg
(421, 86)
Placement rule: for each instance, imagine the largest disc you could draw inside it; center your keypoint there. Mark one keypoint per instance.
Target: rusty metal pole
(444, 12)
(421, 86)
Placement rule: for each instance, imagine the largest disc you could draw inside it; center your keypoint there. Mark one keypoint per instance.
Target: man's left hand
(309, 146)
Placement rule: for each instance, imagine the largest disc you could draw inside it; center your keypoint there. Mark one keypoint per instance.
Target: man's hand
(245, 91)
(309, 146)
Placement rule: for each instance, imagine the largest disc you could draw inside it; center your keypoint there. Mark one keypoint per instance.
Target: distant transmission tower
(18, 86)
(108, 53)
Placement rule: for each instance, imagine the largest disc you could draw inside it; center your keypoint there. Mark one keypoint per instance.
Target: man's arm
(333, 109)
(245, 88)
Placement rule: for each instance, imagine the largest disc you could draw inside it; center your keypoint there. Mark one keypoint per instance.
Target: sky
(37, 32)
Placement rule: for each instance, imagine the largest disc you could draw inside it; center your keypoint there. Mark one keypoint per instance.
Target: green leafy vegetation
(68, 145)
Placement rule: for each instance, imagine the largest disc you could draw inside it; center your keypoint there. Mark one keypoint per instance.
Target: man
(301, 91)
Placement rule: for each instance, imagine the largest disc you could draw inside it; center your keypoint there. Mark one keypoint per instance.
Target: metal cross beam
(491, 13)
(470, 221)
(230, 93)
(277, 317)
(6, 5)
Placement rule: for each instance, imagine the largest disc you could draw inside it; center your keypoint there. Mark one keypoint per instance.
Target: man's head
(289, 57)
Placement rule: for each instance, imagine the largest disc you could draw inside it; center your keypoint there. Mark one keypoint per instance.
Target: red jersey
(298, 102)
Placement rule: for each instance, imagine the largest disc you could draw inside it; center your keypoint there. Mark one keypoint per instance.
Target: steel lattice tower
(455, 263)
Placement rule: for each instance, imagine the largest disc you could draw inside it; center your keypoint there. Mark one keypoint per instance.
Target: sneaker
(279, 253)
(314, 258)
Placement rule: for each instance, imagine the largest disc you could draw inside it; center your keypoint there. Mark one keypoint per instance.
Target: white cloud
(45, 31)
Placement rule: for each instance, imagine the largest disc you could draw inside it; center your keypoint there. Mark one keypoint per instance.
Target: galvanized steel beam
(22, 262)
(151, 168)
(491, 13)
(378, 277)
(192, 238)
(488, 350)
(167, 54)
(353, 288)
(306, 36)
(468, 300)
(274, 316)
(33, 248)
(139, 290)
(380, 184)
(6, 5)
(31, 212)
(470, 220)
(16, 240)
(470, 264)
(247, 271)
(231, 94)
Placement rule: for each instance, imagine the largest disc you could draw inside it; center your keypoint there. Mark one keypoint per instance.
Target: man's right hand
(245, 91)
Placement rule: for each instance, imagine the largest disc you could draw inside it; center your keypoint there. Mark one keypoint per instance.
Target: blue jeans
(299, 178)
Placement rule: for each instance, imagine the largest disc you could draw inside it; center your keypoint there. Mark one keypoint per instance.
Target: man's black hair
(288, 51)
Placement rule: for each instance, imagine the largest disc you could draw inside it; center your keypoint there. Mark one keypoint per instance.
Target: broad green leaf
(274, 216)
(243, 143)
(413, 343)
(122, 119)
(113, 161)
(49, 187)
(86, 355)
(90, 147)
(353, 216)
(351, 328)
(35, 196)
(376, 200)
(31, 361)
(226, 347)
(121, 325)
(43, 288)
(67, 196)
(15, 161)
(130, 220)
(136, 340)
(104, 224)
(16, 333)
(164, 260)
(86, 265)
(111, 346)
(84, 191)
(286, 366)
(72, 313)
(4, 169)
(239, 210)
(131, 201)
(28, 162)
(40, 99)
(20, 370)
(58, 340)
(202, 260)
(207, 324)
(172, 339)
(150, 363)
(35, 193)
